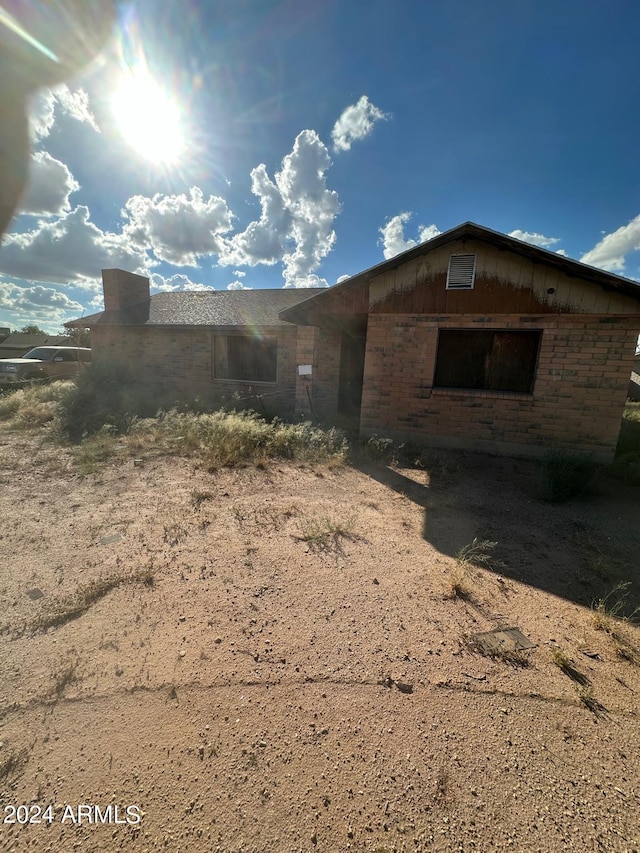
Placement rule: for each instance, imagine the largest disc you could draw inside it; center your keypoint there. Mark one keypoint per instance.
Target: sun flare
(148, 117)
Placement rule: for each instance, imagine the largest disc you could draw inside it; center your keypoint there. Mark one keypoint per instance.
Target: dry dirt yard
(276, 660)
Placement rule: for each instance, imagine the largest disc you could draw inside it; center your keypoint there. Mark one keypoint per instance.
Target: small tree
(33, 330)
(78, 337)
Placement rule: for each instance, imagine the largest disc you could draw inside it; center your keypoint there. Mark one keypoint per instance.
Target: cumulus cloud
(342, 278)
(535, 239)
(177, 282)
(393, 239)
(48, 187)
(41, 114)
(239, 273)
(238, 285)
(297, 214)
(36, 304)
(76, 104)
(355, 123)
(47, 102)
(611, 252)
(68, 249)
(178, 228)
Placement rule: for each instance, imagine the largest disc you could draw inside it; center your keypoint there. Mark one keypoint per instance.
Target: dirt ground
(288, 669)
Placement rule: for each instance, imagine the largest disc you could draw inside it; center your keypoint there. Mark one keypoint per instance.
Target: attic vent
(461, 272)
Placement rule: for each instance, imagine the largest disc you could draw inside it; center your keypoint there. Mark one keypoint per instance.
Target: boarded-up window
(245, 359)
(487, 360)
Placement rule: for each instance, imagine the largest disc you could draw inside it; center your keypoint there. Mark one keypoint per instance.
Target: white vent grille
(461, 272)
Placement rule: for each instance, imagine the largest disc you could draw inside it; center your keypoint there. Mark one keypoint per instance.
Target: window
(461, 272)
(245, 359)
(66, 355)
(487, 360)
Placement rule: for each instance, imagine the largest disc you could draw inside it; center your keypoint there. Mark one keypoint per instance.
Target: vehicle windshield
(40, 353)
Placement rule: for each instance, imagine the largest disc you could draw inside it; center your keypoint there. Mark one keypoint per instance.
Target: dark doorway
(352, 350)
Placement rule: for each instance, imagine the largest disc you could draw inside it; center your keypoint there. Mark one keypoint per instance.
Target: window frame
(484, 389)
(268, 339)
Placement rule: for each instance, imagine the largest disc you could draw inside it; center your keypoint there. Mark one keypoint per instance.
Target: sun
(148, 117)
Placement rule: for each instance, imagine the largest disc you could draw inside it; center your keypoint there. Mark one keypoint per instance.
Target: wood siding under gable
(505, 283)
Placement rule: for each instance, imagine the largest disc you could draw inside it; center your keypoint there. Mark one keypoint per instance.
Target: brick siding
(320, 349)
(580, 385)
(176, 366)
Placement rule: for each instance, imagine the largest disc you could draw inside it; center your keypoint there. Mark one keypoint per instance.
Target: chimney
(122, 289)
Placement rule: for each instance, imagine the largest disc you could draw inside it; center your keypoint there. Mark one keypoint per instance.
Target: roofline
(92, 320)
(503, 241)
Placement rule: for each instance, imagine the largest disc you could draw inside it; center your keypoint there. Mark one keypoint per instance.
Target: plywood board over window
(243, 358)
(488, 360)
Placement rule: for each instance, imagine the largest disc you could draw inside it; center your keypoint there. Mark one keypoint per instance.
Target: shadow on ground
(579, 550)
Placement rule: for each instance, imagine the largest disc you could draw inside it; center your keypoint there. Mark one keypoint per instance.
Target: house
(17, 344)
(472, 340)
(215, 345)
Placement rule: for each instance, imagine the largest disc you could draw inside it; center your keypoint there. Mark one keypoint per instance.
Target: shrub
(567, 475)
(380, 448)
(33, 405)
(106, 395)
(232, 438)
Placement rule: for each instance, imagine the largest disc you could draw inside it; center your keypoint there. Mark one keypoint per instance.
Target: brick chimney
(122, 289)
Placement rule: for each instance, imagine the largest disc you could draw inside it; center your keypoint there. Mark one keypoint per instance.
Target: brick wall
(321, 349)
(577, 401)
(176, 366)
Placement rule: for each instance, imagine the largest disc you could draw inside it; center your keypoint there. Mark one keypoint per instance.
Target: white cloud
(535, 239)
(49, 185)
(47, 102)
(611, 252)
(393, 239)
(76, 105)
(177, 282)
(68, 249)
(178, 228)
(342, 278)
(238, 285)
(239, 273)
(562, 252)
(36, 304)
(312, 280)
(355, 123)
(41, 114)
(296, 222)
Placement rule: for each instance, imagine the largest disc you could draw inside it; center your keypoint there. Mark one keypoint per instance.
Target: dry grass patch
(32, 406)
(13, 763)
(564, 662)
(479, 552)
(609, 616)
(65, 609)
(459, 584)
(324, 534)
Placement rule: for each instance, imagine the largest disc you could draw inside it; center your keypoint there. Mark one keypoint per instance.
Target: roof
(469, 230)
(219, 308)
(25, 341)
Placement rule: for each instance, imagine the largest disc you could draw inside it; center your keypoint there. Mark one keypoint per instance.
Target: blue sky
(271, 143)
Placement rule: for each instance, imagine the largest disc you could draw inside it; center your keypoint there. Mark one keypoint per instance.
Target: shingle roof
(220, 308)
(26, 340)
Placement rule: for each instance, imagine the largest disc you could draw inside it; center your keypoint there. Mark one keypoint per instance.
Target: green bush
(567, 475)
(106, 395)
(379, 448)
